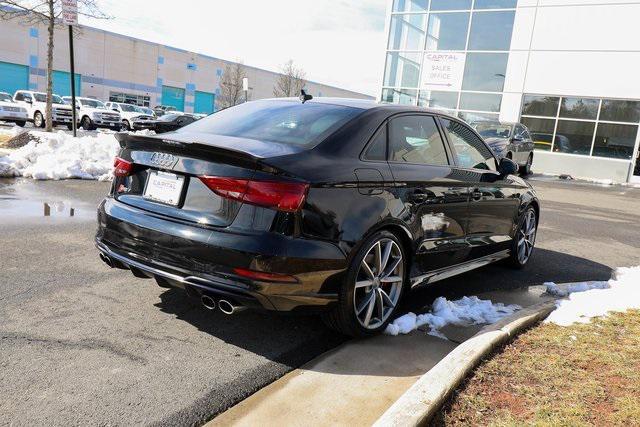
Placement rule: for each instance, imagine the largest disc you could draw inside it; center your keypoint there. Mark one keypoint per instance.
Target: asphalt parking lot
(82, 344)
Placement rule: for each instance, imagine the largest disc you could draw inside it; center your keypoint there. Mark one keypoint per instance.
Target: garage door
(173, 96)
(62, 84)
(204, 102)
(13, 77)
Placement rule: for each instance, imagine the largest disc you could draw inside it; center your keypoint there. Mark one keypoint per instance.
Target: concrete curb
(418, 404)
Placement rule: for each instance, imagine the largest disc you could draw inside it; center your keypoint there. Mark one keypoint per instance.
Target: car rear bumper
(201, 260)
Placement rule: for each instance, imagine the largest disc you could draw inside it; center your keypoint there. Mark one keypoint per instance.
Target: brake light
(264, 276)
(284, 196)
(122, 167)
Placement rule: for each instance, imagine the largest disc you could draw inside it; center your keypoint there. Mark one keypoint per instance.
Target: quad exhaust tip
(208, 302)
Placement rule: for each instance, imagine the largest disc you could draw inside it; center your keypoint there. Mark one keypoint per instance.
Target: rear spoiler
(167, 144)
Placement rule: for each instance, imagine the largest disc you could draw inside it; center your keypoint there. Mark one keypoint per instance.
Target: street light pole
(245, 87)
(73, 83)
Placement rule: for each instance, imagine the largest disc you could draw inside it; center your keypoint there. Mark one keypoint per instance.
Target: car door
(494, 199)
(434, 200)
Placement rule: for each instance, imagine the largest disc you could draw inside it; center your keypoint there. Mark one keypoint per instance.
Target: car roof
(367, 104)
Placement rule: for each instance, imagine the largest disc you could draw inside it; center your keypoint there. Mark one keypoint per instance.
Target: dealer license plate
(164, 187)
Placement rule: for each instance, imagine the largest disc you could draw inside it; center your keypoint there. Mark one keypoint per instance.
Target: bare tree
(290, 81)
(46, 12)
(231, 92)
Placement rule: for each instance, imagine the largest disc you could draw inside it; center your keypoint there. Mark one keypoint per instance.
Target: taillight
(284, 196)
(122, 167)
(263, 276)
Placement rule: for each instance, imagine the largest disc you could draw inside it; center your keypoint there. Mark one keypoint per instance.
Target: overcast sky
(337, 42)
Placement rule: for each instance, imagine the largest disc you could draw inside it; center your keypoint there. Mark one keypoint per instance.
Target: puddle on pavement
(19, 209)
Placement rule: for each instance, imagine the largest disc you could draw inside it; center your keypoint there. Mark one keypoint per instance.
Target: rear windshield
(287, 122)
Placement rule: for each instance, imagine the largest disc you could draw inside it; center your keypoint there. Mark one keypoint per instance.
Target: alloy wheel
(527, 236)
(378, 283)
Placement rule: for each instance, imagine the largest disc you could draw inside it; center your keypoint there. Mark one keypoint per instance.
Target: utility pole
(70, 17)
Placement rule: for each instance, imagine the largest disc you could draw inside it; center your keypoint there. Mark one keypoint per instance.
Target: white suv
(93, 114)
(36, 103)
(12, 112)
(129, 113)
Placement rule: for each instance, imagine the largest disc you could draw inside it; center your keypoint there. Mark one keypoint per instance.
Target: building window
(438, 99)
(480, 101)
(495, 4)
(485, 72)
(399, 96)
(581, 125)
(410, 5)
(403, 69)
(579, 108)
(491, 30)
(130, 98)
(407, 32)
(450, 4)
(447, 31)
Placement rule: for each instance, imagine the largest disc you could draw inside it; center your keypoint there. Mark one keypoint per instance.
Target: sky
(336, 42)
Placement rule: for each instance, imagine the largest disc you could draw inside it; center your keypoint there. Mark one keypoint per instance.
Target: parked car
(161, 110)
(129, 113)
(510, 140)
(93, 114)
(36, 102)
(166, 123)
(148, 111)
(336, 205)
(11, 112)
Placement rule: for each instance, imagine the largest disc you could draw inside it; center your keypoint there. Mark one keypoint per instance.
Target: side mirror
(114, 109)
(28, 101)
(517, 138)
(507, 167)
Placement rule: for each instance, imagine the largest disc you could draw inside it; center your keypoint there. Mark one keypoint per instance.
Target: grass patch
(587, 374)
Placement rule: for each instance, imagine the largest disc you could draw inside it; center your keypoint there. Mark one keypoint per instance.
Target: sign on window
(443, 71)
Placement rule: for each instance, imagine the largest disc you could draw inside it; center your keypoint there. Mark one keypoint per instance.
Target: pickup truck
(93, 114)
(35, 103)
(129, 113)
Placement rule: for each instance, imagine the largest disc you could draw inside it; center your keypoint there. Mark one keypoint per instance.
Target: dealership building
(114, 67)
(568, 69)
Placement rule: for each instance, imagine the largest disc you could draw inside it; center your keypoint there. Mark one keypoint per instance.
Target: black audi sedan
(332, 205)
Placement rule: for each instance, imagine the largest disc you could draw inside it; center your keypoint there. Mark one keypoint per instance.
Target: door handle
(476, 194)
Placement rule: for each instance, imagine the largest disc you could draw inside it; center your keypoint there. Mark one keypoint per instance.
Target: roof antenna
(304, 97)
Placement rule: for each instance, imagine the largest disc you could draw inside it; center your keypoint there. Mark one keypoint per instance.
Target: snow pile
(12, 131)
(61, 156)
(555, 290)
(622, 293)
(465, 311)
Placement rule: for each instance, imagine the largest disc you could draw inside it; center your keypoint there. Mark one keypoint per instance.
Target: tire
(526, 169)
(38, 120)
(126, 125)
(367, 300)
(70, 126)
(20, 123)
(527, 230)
(86, 124)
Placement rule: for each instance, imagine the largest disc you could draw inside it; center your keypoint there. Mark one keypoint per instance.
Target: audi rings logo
(164, 160)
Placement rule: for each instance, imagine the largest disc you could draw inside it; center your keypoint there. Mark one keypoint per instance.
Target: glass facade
(584, 126)
(450, 55)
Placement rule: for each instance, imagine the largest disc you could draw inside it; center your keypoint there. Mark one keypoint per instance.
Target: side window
(416, 139)
(470, 151)
(19, 96)
(377, 148)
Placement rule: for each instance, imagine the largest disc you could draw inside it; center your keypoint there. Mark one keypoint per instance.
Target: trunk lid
(165, 173)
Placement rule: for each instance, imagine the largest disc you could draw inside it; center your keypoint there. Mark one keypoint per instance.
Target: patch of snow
(462, 312)
(558, 291)
(61, 156)
(622, 294)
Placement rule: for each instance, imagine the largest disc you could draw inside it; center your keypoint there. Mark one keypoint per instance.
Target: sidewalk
(357, 382)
